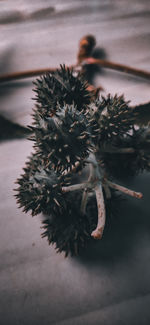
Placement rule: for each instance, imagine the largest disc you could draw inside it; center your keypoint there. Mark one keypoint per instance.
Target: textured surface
(109, 283)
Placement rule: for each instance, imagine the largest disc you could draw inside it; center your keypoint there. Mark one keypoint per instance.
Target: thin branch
(98, 232)
(95, 183)
(84, 201)
(125, 190)
(107, 191)
(75, 187)
(117, 67)
(117, 150)
(27, 74)
(87, 61)
(94, 168)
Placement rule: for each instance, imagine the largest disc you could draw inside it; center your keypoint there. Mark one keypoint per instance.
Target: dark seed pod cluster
(71, 128)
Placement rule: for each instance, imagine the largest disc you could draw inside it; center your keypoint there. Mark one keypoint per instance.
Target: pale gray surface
(110, 282)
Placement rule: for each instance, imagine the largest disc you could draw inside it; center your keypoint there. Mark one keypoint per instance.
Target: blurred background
(109, 283)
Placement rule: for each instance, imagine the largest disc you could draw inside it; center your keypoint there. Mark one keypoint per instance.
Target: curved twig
(88, 61)
(27, 74)
(117, 67)
(98, 232)
(123, 189)
(84, 201)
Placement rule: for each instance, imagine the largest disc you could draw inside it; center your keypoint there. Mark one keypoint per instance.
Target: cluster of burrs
(79, 141)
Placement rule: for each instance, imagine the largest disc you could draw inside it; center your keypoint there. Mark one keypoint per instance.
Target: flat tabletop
(109, 283)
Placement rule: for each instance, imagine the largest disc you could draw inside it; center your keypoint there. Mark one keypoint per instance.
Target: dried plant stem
(123, 189)
(96, 183)
(98, 232)
(75, 187)
(87, 61)
(93, 183)
(117, 150)
(107, 191)
(84, 201)
(27, 74)
(95, 176)
(118, 67)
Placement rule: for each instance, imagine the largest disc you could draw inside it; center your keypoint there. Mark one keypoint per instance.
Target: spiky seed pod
(71, 232)
(135, 158)
(39, 189)
(59, 87)
(64, 139)
(140, 141)
(111, 118)
(141, 114)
